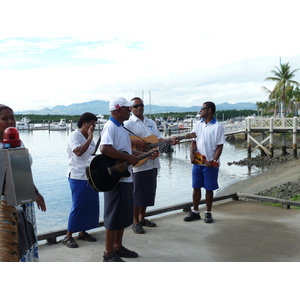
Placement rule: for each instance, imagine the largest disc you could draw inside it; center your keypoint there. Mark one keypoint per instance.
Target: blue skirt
(85, 210)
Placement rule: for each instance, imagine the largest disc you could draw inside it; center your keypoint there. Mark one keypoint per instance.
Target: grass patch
(295, 198)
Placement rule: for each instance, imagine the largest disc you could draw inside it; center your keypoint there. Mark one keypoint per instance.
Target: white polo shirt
(77, 164)
(209, 136)
(143, 129)
(115, 135)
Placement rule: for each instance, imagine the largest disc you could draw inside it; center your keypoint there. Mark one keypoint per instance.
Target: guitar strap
(133, 133)
(97, 145)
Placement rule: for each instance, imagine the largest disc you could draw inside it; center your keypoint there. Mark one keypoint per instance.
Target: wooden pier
(270, 127)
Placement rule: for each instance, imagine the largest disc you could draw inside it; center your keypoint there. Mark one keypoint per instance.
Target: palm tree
(296, 100)
(283, 76)
(274, 99)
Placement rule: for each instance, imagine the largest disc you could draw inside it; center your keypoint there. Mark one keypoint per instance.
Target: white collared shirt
(209, 136)
(77, 164)
(144, 129)
(116, 136)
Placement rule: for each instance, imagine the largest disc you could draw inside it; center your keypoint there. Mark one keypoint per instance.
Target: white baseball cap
(119, 102)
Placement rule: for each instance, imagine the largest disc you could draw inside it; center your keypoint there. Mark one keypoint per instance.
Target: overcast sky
(188, 54)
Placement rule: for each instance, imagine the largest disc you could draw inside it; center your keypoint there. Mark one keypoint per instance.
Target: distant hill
(101, 107)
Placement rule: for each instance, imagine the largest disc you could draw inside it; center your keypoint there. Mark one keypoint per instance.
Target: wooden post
(295, 121)
(248, 126)
(271, 136)
(283, 147)
(262, 152)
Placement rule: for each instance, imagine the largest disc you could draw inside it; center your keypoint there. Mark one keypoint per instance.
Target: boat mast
(150, 102)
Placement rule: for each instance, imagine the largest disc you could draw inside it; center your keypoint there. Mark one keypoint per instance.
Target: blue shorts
(205, 177)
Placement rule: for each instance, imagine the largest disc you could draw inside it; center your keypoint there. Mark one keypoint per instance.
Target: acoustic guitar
(104, 173)
(153, 142)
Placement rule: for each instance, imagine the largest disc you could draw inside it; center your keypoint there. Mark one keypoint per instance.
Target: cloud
(182, 71)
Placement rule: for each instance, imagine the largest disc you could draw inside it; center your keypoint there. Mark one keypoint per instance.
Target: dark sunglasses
(138, 105)
(202, 108)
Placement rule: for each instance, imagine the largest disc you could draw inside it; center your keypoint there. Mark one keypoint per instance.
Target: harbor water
(50, 163)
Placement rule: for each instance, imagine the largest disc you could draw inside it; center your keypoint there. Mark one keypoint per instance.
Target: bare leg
(136, 214)
(142, 213)
(196, 198)
(113, 240)
(209, 200)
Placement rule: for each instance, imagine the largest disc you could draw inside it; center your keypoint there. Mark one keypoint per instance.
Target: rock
(284, 191)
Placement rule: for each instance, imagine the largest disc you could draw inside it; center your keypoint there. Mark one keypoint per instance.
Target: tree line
(220, 115)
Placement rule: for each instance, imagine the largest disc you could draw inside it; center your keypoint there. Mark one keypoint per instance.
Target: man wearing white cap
(118, 203)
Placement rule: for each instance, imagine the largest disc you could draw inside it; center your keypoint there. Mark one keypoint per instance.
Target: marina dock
(242, 232)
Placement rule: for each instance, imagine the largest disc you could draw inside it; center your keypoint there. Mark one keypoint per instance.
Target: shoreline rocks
(287, 189)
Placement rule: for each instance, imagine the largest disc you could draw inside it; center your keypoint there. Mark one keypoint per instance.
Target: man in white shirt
(144, 175)
(209, 142)
(118, 205)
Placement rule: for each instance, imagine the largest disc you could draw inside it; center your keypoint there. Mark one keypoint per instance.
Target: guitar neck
(165, 142)
(140, 157)
(147, 154)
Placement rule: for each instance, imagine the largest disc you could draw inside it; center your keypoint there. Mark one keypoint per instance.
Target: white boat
(40, 127)
(23, 124)
(197, 118)
(188, 122)
(100, 122)
(59, 126)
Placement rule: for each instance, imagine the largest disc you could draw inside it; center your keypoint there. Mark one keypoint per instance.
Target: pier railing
(275, 123)
(261, 123)
(50, 237)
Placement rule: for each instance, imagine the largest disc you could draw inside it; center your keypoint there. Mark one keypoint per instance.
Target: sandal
(148, 223)
(124, 252)
(70, 242)
(137, 228)
(86, 237)
(112, 258)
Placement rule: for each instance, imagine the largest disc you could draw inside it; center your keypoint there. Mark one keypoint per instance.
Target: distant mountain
(101, 107)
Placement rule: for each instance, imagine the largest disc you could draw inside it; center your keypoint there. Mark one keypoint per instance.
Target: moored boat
(23, 124)
(100, 122)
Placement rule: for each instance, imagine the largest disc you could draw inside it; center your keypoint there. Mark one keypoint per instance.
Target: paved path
(242, 232)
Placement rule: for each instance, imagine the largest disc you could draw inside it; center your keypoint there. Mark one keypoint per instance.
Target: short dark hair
(3, 106)
(86, 117)
(211, 105)
(137, 98)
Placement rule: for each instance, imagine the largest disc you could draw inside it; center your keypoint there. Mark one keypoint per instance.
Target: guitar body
(104, 173)
(151, 139)
(153, 142)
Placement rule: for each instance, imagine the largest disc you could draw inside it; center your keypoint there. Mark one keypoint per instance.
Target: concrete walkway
(241, 232)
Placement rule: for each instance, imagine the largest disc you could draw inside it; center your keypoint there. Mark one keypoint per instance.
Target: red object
(11, 137)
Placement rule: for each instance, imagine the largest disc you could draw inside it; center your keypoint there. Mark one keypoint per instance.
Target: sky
(171, 53)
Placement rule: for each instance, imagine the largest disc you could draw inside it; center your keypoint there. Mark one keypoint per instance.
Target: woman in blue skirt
(84, 213)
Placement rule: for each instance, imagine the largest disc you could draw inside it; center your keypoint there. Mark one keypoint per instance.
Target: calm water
(50, 163)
